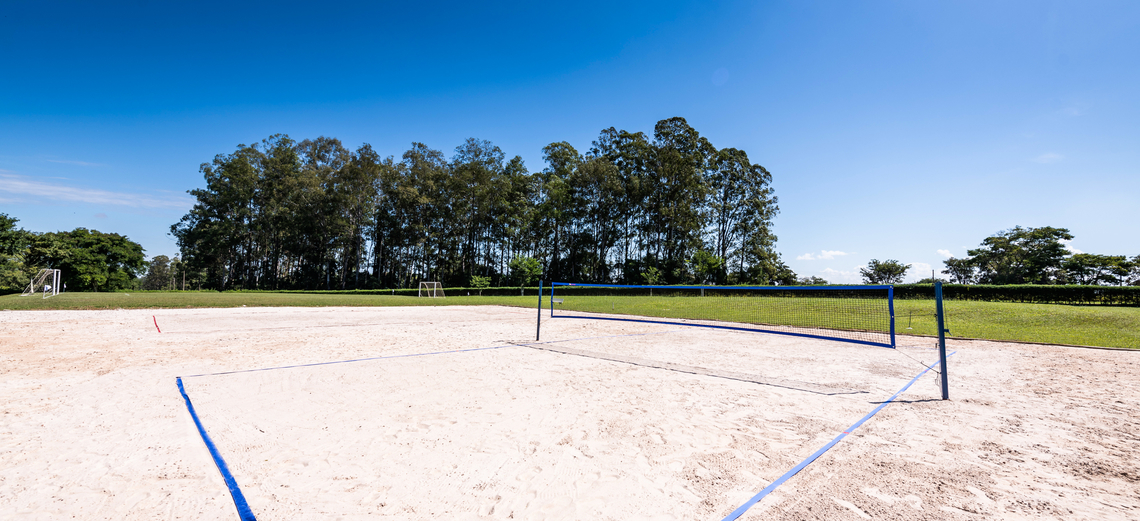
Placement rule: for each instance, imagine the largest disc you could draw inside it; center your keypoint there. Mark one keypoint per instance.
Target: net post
(941, 338)
(891, 310)
(538, 328)
(551, 300)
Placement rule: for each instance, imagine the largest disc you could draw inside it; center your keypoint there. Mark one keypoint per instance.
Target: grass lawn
(1105, 326)
(231, 299)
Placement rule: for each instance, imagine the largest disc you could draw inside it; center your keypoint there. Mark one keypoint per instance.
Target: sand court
(487, 427)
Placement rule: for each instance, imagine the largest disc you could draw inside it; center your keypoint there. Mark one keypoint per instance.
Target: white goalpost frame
(47, 281)
(431, 289)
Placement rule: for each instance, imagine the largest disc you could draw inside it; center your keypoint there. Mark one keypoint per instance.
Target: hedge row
(1033, 293)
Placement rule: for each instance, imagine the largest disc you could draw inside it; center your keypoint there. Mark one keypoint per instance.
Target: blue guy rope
(796, 469)
(239, 500)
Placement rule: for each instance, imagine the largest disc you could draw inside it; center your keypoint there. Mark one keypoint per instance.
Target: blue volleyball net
(858, 314)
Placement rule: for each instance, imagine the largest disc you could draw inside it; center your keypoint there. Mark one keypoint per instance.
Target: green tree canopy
(961, 271)
(1093, 269)
(313, 214)
(706, 267)
(90, 260)
(1022, 256)
(885, 272)
(525, 271)
(159, 273)
(13, 245)
(1039, 256)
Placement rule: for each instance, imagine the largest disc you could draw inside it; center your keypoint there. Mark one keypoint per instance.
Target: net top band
(808, 288)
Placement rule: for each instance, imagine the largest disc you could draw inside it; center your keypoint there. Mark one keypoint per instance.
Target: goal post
(431, 289)
(47, 282)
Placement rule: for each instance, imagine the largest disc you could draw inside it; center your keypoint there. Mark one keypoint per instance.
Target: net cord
(732, 288)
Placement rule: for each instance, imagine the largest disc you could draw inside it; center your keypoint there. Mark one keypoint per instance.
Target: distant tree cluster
(632, 209)
(13, 246)
(164, 273)
(1038, 256)
(889, 271)
(90, 260)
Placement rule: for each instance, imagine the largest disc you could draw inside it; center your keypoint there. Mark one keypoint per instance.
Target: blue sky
(893, 130)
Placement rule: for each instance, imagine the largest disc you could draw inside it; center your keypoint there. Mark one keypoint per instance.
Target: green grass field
(1104, 326)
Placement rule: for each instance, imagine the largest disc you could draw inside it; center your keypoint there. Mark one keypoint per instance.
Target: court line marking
(795, 470)
(520, 344)
(243, 509)
(246, 514)
(240, 503)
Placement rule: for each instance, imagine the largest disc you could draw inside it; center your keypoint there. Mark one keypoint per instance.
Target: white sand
(94, 427)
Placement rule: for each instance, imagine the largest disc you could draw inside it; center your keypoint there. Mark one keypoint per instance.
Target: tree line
(633, 208)
(1039, 256)
(1022, 256)
(90, 260)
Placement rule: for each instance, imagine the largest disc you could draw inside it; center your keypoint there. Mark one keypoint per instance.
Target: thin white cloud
(919, 270)
(834, 276)
(1048, 157)
(24, 186)
(945, 253)
(80, 163)
(823, 255)
(1069, 246)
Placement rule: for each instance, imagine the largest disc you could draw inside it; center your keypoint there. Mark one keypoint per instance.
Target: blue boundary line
(733, 328)
(416, 354)
(347, 361)
(796, 469)
(239, 503)
(239, 500)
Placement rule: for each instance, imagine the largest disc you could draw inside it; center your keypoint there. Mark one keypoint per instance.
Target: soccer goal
(431, 289)
(857, 314)
(46, 282)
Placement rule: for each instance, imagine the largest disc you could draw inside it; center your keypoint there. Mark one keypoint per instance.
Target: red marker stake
(156, 323)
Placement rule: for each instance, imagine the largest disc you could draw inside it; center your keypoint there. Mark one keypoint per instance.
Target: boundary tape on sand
(520, 344)
(239, 499)
(796, 469)
(244, 512)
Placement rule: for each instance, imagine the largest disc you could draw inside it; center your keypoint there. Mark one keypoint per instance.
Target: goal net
(46, 282)
(431, 289)
(858, 314)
